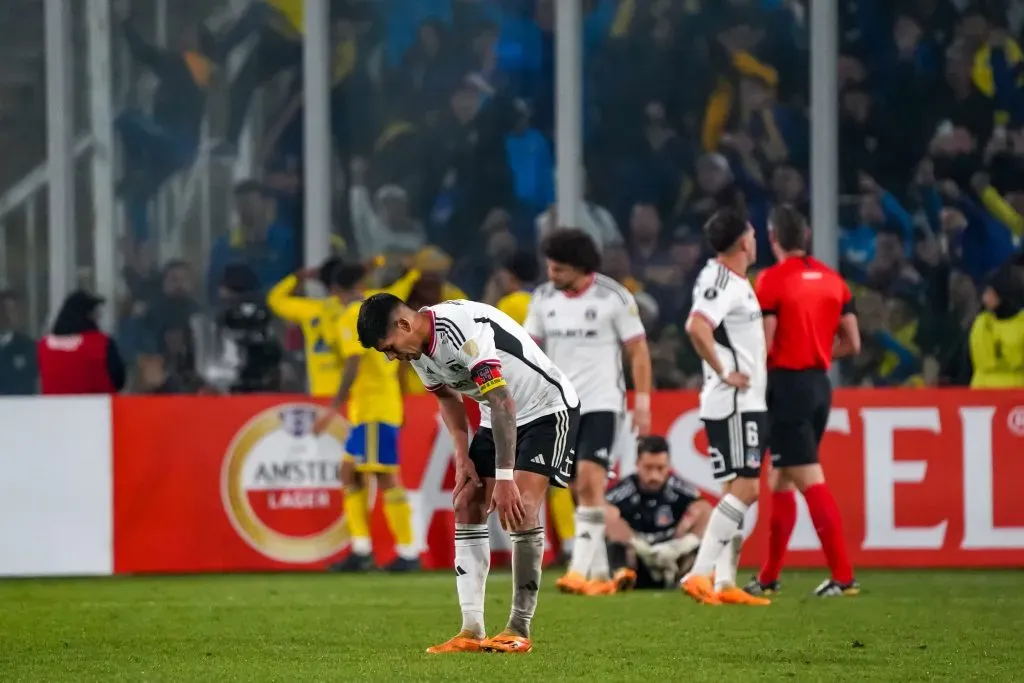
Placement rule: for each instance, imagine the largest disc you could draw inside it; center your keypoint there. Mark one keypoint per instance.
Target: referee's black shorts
(799, 402)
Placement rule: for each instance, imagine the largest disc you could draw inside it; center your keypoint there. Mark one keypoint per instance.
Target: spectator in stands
(383, 225)
(76, 357)
(428, 69)
(532, 162)
(279, 25)
(160, 144)
(167, 358)
(261, 240)
(19, 370)
(595, 220)
(997, 336)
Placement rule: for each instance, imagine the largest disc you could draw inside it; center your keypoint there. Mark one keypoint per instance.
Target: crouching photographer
(243, 355)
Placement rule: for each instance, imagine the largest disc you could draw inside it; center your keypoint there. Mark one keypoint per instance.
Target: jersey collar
(432, 345)
(582, 291)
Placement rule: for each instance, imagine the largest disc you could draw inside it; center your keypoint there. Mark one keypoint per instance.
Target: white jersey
(727, 301)
(583, 334)
(475, 348)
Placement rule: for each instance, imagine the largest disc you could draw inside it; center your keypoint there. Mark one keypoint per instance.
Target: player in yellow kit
(370, 386)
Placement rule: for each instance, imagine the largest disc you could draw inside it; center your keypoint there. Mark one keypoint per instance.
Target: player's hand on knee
(509, 504)
(465, 476)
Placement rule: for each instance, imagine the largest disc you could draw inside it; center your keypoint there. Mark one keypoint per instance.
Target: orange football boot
(571, 583)
(462, 642)
(700, 589)
(507, 643)
(737, 596)
(624, 579)
(598, 587)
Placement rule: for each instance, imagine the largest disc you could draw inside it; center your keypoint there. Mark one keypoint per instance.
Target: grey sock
(527, 556)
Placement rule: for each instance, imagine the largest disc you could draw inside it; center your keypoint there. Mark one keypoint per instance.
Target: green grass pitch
(906, 626)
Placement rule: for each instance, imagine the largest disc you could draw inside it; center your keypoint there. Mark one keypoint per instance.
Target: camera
(246, 323)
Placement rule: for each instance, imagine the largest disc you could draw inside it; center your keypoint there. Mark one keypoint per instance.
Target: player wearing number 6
(725, 327)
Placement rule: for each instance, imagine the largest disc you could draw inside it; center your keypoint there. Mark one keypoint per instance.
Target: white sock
(361, 546)
(728, 561)
(407, 552)
(599, 570)
(725, 521)
(472, 562)
(589, 534)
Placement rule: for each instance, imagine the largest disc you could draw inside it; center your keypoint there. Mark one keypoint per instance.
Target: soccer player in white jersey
(584, 320)
(725, 328)
(529, 415)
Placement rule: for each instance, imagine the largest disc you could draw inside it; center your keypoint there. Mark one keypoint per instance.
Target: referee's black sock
(616, 556)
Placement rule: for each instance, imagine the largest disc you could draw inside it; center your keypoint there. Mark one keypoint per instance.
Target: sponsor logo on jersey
(281, 485)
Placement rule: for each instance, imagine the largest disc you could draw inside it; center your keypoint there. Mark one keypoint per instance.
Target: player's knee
(746, 489)
(779, 481)
(386, 480)
(470, 508)
(591, 479)
(349, 476)
(805, 476)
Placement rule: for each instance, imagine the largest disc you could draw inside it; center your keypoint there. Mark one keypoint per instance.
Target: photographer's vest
(74, 364)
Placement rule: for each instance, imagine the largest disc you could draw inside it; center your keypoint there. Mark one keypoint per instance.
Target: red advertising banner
(202, 484)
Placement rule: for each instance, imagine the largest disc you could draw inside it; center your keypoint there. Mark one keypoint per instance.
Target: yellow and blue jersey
(375, 406)
(318, 319)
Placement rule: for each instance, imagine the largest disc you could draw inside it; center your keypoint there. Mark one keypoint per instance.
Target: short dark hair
(346, 275)
(789, 227)
(524, 266)
(327, 270)
(724, 229)
(652, 443)
(574, 248)
(250, 187)
(375, 319)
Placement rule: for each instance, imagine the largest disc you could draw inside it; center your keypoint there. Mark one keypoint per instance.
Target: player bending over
(725, 328)
(655, 520)
(529, 414)
(585, 320)
(808, 321)
(370, 386)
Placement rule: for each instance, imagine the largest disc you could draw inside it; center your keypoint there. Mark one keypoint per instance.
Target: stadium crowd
(443, 118)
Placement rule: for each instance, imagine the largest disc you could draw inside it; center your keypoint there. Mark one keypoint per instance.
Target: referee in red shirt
(808, 321)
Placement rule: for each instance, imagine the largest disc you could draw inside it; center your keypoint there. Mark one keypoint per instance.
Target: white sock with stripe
(472, 563)
(725, 521)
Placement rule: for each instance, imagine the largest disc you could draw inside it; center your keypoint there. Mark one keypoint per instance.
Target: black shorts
(596, 437)
(799, 402)
(737, 445)
(545, 446)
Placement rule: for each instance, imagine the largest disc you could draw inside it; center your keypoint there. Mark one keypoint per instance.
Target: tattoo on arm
(503, 425)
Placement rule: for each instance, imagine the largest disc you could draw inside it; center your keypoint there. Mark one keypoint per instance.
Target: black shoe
(830, 588)
(403, 564)
(352, 564)
(756, 588)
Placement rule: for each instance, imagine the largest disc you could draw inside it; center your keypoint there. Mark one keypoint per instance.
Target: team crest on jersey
(753, 458)
(663, 516)
(590, 314)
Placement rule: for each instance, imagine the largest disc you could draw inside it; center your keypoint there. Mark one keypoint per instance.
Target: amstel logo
(281, 485)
